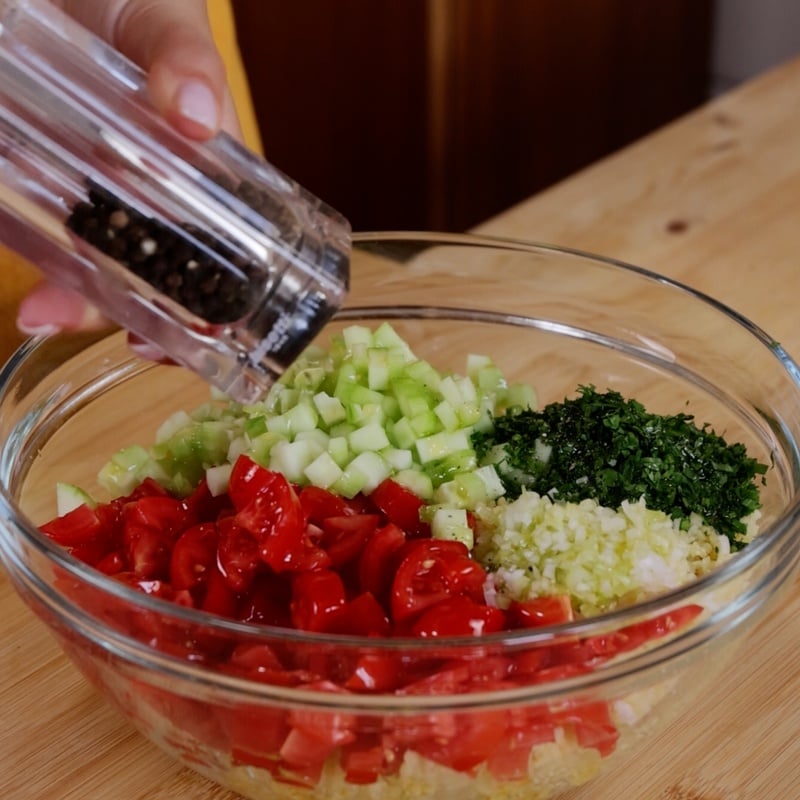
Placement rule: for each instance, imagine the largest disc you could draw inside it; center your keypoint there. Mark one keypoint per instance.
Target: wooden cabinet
(436, 114)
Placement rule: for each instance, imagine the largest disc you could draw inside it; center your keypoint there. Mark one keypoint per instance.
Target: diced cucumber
(398, 458)
(344, 418)
(302, 417)
(468, 414)
(448, 389)
(359, 415)
(491, 481)
(386, 336)
(342, 429)
(452, 524)
(255, 426)
(476, 362)
(310, 378)
(317, 435)
(402, 434)
(69, 497)
(354, 335)
(238, 446)
(323, 471)
(465, 490)
(218, 478)
(261, 447)
(447, 415)
(425, 424)
(125, 470)
(391, 408)
(378, 369)
(292, 458)
(287, 398)
(521, 395)
(171, 425)
(442, 444)
(469, 394)
(369, 437)
(445, 469)
(412, 397)
(362, 474)
(415, 481)
(339, 450)
(331, 409)
(492, 382)
(423, 373)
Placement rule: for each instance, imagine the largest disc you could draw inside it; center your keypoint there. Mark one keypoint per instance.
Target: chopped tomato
(375, 672)
(458, 616)
(523, 731)
(362, 616)
(147, 552)
(271, 553)
(475, 738)
(266, 602)
(430, 571)
(194, 554)
(167, 515)
(319, 504)
(268, 508)
(77, 527)
(592, 724)
(379, 560)
(150, 526)
(237, 554)
(401, 506)
(345, 536)
(367, 759)
(318, 598)
(204, 506)
(540, 611)
(218, 597)
(255, 733)
(331, 728)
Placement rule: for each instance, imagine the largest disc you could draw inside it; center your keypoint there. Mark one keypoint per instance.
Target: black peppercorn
(183, 262)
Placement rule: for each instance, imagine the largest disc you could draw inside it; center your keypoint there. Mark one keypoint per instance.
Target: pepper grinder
(205, 250)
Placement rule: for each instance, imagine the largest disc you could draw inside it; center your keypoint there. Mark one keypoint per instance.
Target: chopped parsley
(601, 446)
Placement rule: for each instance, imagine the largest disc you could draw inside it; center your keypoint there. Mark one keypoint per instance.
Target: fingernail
(48, 310)
(32, 329)
(196, 102)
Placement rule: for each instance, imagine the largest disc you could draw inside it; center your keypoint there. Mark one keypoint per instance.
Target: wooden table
(713, 200)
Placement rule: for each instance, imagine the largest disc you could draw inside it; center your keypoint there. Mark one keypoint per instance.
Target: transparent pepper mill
(202, 249)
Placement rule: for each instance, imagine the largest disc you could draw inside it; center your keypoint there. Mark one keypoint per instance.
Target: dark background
(437, 114)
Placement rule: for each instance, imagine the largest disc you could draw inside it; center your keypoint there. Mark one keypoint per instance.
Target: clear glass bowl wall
(550, 317)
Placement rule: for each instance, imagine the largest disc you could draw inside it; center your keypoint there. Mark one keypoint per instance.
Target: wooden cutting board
(713, 200)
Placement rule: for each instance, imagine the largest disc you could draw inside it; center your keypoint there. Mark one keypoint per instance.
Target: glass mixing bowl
(484, 719)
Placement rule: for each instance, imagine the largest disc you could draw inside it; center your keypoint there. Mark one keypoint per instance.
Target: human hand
(172, 41)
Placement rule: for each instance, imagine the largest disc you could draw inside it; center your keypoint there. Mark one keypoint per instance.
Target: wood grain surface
(713, 200)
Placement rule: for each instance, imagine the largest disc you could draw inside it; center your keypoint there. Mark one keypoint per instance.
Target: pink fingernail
(196, 102)
(47, 310)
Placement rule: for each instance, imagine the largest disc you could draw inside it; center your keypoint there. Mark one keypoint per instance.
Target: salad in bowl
(455, 551)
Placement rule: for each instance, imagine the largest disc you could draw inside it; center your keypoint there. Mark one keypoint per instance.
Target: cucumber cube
(452, 524)
(323, 471)
(369, 437)
(69, 497)
(415, 481)
(331, 409)
(442, 444)
(218, 478)
(292, 458)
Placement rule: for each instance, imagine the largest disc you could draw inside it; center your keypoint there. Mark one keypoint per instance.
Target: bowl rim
(768, 539)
